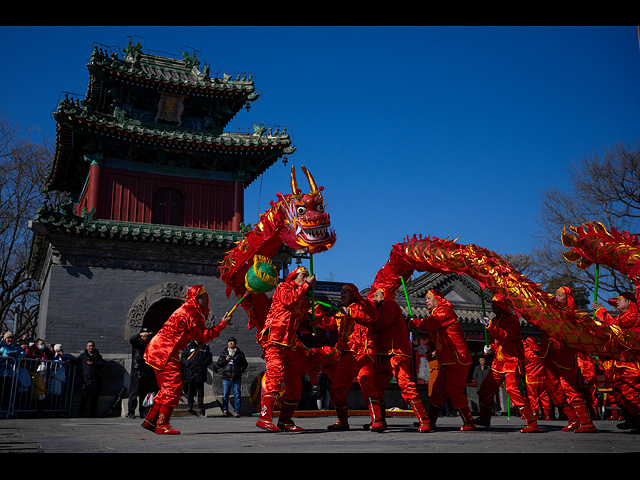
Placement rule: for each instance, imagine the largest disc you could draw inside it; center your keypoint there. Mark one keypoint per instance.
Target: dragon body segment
(591, 243)
(296, 220)
(578, 330)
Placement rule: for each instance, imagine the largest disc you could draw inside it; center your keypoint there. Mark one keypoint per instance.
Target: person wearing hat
(142, 377)
(508, 366)
(562, 376)
(233, 363)
(354, 347)
(394, 352)
(453, 356)
(625, 375)
(163, 354)
(288, 313)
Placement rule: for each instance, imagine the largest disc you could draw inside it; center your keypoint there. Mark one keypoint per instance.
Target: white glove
(487, 349)
(485, 321)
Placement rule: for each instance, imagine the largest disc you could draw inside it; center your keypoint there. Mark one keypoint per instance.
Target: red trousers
(538, 395)
(282, 367)
(398, 367)
(492, 382)
(450, 382)
(562, 384)
(352, 366)
(169, 384)
(625, 385)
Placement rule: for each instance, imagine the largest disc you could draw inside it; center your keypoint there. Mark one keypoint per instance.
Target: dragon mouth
(313, 233)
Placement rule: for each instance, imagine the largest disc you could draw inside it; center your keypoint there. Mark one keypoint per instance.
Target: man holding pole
(560, 364)
(354, 323)
(163, 354)
(508, 366)
(625, 374)
(394, 351)
(288, 313)
(453, 356)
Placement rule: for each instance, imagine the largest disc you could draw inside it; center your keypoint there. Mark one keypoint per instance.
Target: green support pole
(595, 290)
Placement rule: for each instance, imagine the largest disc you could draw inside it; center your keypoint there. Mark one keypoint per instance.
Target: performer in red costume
(163, 354)
(625, 375)
(508, 367)
(288, 313)
(536, 380)
(560, 364)
(588, 379)
(355, 349)
(453, 356)
(394, 350)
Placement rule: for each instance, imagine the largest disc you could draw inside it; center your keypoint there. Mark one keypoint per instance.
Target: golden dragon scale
(591, 243)
(578, 330)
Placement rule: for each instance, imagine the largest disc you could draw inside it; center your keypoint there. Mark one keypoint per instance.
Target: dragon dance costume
(536, 379)
(562, 376)
(453, 357)
(625, 375)
(508, 367)
(288, 313)
(187, 323)
(356, 357)
(393, 359)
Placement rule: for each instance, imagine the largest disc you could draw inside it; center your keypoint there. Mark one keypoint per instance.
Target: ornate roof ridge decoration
(175, 75)
(87, 224)
(70, 110)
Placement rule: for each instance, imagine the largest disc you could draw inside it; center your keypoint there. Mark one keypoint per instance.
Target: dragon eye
(302, 210)
(320, 208)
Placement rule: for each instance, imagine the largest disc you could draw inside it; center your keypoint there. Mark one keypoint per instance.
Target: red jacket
(508, 352)
(355, 333)
(184, 325)
(446, 334)
(288, 312)
(627, 321)
(534, 365)
(390, 335)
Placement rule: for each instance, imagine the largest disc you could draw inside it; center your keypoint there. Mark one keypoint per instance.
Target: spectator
(92, 364)
(9, 349)
(233, 363)
(481, 371)
(37, 349)
(195, 372)
(143, 380)
(57, 378)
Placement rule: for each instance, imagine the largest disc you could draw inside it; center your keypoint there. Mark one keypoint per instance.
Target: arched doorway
(159, 312)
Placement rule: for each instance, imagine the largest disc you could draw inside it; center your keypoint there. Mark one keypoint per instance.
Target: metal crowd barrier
(35, 387)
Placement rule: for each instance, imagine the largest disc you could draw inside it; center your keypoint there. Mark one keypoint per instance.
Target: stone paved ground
(240, 435)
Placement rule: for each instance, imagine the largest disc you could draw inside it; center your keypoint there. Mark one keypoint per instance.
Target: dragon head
(307, 225)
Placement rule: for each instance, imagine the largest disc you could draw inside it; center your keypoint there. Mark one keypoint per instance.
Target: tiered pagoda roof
(120, 107)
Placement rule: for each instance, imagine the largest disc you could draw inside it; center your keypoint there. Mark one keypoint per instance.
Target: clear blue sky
(448, 131)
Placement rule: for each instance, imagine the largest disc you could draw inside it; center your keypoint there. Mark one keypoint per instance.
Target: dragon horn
(312, 182)
(294, 184)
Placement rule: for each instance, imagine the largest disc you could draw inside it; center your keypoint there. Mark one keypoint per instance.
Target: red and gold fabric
(624, 375)
(452, 353)
(187, 323)
(446, 333)
(288, 313)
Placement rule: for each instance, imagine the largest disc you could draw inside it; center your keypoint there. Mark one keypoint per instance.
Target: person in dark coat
(143, 379)
(195, 373)
(92, 365)
(233, 363)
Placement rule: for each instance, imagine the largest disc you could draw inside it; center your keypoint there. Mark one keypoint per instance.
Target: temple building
(156, 198)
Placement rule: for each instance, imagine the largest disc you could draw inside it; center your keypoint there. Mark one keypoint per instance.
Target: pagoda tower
(156, 189)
